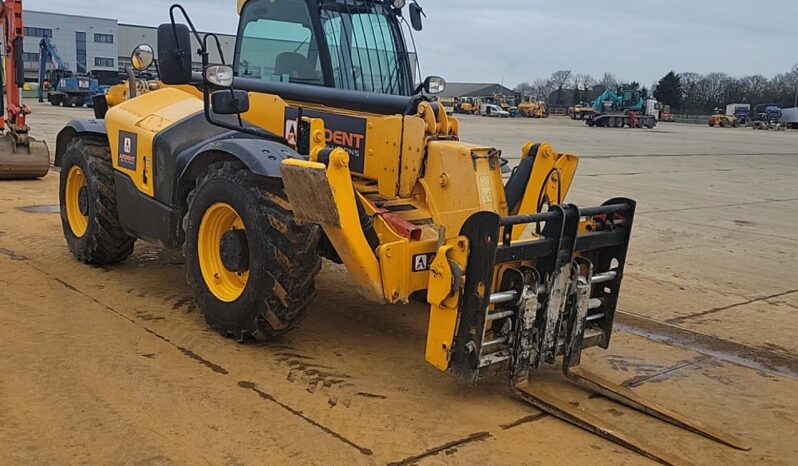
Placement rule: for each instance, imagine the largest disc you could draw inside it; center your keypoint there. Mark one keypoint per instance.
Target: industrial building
(476, 90)
(89, 44)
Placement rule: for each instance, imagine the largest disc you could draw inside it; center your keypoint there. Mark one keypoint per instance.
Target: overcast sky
(511, 41)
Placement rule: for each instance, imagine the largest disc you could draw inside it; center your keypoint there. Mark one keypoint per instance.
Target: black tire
(282, 258)
(104, 241)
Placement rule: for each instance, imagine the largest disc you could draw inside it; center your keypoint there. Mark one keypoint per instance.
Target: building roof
(475, 90)
(52, 13)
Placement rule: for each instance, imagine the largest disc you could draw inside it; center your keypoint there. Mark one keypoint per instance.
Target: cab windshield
(347, 44)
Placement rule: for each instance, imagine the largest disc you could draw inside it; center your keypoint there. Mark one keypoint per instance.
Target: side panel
(461, 179)
(374, 142)
(133, 125)
(144, 217)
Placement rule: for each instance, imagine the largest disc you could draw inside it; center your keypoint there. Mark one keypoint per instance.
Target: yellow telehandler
(328, 148)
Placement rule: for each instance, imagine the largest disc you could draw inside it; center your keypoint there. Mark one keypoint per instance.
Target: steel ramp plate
(572, 413)
(627, 397)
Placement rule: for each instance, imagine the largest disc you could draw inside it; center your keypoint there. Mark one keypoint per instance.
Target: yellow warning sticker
(485, 190)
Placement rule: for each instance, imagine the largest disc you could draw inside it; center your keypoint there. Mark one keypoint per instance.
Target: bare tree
(754, 87)
(543, 89)
(588, 83)
(558, 80)
(608, 81)
(690, 88)
(525, 88)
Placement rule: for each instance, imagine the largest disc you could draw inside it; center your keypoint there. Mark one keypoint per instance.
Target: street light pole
(795, 72)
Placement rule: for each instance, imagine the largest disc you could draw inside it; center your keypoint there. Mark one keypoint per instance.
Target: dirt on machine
(256, 172)
(21, 156)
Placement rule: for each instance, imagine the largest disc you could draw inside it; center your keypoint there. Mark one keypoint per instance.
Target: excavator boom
(20, 155)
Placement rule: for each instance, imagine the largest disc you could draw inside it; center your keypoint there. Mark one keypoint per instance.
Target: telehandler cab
(316, 142)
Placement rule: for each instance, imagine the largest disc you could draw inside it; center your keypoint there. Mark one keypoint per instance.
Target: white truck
(789, 117)
(652, 108)
(493, 110)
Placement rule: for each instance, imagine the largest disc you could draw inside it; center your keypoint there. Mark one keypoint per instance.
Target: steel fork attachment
(554, 296)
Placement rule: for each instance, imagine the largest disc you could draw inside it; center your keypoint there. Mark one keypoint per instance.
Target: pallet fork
(557, 295)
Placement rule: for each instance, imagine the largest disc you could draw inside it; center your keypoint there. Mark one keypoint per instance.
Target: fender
(261, 156)
(77, 128)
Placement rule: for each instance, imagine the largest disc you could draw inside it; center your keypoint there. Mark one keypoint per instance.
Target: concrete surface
(115, 365)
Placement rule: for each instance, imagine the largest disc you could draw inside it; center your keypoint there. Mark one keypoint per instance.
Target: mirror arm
(178, 6)
(131, 82)
(257, 132)
(218, 46)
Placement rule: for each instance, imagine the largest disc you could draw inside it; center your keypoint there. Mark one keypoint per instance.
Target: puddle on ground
(40, 209)
(760, 359)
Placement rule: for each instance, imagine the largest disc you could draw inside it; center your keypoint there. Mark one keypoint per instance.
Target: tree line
(687, 93)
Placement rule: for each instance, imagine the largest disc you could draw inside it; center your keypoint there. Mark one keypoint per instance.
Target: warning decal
(290, 132)
(422, 262)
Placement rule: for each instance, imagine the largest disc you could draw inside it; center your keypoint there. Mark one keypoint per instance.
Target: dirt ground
(114, 365)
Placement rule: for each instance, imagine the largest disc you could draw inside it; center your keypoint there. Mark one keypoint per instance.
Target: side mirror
(230, 102)
(142, 58)
(174, 53)
(415, 16)
(434, 85)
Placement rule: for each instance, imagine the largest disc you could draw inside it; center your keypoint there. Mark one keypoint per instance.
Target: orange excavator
(21, 156)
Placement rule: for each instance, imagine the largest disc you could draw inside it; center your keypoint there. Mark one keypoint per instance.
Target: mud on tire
(104, 241)
(282, 259)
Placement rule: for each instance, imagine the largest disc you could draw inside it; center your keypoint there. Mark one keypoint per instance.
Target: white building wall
(131, 36)
(64, 35)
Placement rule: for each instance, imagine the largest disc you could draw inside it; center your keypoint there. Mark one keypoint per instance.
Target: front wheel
(251, 265)
(89, 213)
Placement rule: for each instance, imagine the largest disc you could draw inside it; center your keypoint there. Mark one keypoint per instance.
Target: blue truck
(61, 85)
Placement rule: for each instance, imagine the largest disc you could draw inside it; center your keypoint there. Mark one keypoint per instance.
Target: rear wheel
(251, 265)
(88, 204)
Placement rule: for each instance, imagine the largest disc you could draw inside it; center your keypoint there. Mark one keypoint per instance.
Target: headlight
(399, 4)
(219, 75)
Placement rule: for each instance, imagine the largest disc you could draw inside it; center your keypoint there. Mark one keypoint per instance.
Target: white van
(492, 110)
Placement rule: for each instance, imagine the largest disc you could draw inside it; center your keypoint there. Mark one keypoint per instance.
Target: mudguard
(75, 128)
(262, 157)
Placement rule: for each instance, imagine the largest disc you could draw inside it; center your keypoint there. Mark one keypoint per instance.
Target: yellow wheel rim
(78, 222)
(226, 285)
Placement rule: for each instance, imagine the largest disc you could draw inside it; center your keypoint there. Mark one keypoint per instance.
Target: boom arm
(48, 53)
(15, 111)
(608, 96)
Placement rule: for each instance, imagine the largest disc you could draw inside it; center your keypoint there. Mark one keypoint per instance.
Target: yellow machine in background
(722, 120)
(582, 111)
(313, 154)
(531, 108)
(135, 85)
(467, 105)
